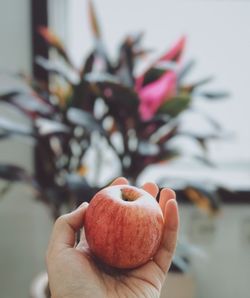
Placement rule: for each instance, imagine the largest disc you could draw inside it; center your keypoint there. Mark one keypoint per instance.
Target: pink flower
(153, 95)
(174, 54)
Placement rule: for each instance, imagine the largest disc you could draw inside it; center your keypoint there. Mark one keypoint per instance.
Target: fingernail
(173, 201)
(84, 204)
(172, 221)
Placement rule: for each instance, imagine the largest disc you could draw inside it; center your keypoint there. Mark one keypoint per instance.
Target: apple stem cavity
(129, 195)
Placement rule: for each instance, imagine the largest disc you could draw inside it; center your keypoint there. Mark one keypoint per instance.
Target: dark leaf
(163, 156)
(82, 96)
(202, 139)
(8, 95)
(185, 71)
(88, 65)
(126, 62)
(4, 135)
(211, 120)
(167, 155)
(141, 53)
(179, 264)
(134, 39)
(14, 173)
(148, 128)
(152, 75)
(123, 97)
(190, 88)
(213, 95)
(167, 134)
(80, 188)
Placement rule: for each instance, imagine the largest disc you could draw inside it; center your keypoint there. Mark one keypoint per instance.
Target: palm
(143, 282)
(74, 272)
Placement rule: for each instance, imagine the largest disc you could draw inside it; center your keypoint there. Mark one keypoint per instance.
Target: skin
(73, 272)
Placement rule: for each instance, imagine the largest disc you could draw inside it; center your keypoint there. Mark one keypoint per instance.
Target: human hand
(73, 272)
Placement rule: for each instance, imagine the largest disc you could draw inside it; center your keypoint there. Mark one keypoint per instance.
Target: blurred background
(213, 258)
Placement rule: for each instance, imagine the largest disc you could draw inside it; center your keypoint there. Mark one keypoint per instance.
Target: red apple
(123, 226)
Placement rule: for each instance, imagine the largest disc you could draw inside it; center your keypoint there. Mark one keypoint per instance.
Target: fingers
(65, 227)
(151, 188)
(165, 195)
(165, 253)
(119, 181)
(83, 244)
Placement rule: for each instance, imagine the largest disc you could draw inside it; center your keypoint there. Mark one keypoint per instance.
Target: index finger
(119, 181)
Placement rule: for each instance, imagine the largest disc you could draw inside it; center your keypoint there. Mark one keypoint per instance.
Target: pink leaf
(174, 54)
(154, 94)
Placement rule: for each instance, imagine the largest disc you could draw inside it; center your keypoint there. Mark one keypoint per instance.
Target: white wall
(218, 38)
(24, 224)
(15, 40)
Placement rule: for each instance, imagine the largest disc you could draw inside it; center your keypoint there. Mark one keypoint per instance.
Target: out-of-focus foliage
(103, 100)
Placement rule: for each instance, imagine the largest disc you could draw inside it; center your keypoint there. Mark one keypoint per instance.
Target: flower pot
(39, 286)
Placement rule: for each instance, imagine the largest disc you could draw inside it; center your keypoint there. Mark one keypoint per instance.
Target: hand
(74, 273)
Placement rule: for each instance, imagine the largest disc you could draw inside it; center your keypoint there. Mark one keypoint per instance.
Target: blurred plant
(103, 106)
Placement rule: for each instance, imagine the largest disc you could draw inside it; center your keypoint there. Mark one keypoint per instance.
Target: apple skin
(122, 233)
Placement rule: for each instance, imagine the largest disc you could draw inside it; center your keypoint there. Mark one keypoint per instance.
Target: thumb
(65, 228)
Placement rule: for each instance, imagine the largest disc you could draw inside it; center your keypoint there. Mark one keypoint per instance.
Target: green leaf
(175, 105)
(152, 75)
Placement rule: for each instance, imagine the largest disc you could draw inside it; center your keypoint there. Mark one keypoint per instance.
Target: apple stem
(129, 195)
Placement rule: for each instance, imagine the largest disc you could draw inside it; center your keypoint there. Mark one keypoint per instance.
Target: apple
(123, 226)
